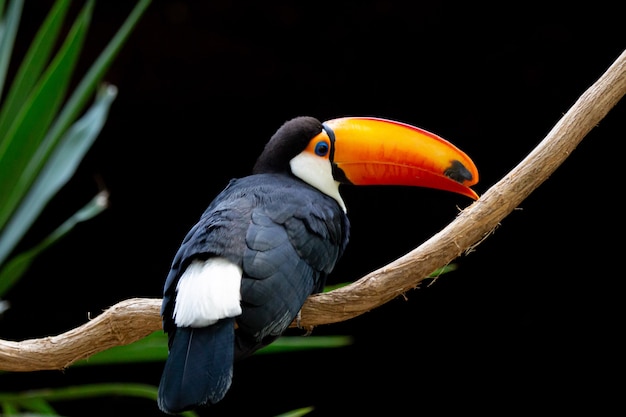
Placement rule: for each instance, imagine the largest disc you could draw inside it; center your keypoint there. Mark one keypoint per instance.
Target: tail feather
(199, 367)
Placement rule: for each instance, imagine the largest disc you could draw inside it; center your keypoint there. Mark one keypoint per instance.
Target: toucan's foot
(308, 329)
(299, 319)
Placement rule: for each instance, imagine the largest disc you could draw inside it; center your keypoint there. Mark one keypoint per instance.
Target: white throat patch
(316, 172)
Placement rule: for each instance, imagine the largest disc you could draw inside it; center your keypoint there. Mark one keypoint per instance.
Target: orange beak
(373, 151)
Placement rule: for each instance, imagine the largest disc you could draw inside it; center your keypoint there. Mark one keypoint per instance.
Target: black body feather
(286, 236)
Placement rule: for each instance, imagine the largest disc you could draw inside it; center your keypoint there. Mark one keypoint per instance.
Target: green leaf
(443, 270)
(25, 136)
(93, 77)
(298, 343)
(8, 31)
(297, 412)
(9, 408)
(32, 66)
(88, 84)
(38, 405)
(12, 402)
(30, 397)
(152, 348)
(16, 267)
(58, 170)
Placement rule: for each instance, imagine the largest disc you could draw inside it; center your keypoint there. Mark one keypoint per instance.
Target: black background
(531, 320)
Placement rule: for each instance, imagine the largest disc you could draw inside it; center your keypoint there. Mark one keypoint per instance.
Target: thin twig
(133, 319)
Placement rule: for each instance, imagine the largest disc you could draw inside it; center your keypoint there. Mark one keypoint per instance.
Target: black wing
(286, 236)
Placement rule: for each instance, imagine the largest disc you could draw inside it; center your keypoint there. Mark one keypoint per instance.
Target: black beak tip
(458, 172)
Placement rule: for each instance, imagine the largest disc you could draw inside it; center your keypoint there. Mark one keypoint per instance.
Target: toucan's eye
(321, 149)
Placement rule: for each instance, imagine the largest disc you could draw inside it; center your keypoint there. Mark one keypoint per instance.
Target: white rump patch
(206, 292)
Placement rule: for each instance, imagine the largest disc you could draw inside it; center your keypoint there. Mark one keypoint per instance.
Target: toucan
(269, 240)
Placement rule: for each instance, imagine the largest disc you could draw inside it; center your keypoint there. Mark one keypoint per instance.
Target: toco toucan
(269, 240)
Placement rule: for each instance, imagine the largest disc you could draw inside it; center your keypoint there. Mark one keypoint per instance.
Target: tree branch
(121, 324)
(133, 319)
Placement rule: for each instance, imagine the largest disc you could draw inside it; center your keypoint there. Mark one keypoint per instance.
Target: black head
(288, 141)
